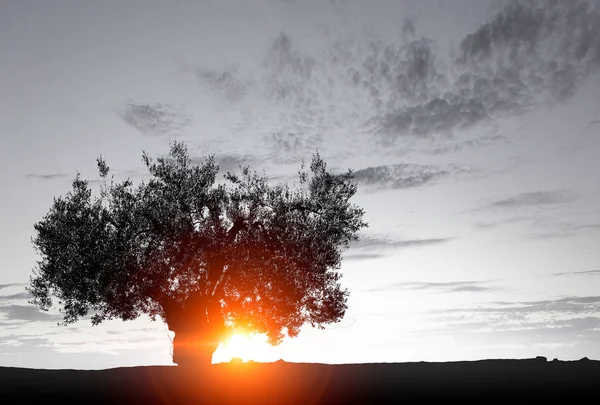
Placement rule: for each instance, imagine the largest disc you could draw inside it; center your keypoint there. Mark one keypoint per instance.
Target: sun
(245, 346)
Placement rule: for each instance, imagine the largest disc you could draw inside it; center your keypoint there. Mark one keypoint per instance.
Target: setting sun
(245, 346)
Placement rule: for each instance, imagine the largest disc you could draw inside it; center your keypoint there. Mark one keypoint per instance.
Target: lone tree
(205, 256)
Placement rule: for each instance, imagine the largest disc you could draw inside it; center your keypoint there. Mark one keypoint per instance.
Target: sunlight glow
(246, 346)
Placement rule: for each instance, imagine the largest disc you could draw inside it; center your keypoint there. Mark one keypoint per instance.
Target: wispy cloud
(538, 225)
(578, 273)
(552, 323)
(46, 176)
(565, 305)
(441, 287)
(26, 313)
(403, 175)
(363, 256)
(534, 199)
(371, 247)
(15, 297)
(563, 229)
(374, 242)
(3, 286)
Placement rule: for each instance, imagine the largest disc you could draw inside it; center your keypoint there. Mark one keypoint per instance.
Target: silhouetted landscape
(305, 383)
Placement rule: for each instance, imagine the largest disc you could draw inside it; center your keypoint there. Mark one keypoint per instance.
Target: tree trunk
(199, 328)
(194, 348)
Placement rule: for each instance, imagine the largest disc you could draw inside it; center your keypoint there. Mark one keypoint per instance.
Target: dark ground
(302, 383)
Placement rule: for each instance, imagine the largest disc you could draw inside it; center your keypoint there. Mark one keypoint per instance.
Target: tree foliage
(250, 254)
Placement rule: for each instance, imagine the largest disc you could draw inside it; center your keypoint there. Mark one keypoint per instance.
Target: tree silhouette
(205, 256)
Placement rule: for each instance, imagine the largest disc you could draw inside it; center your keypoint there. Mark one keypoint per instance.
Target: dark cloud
(288, 70)
(155, 119)
(532, 199)
(408, 28)
(559, 39)
(446, 287)
(46, 176)
(578, 273)
(26, 313)
(398, 176)
(528, 54)
(223, 83)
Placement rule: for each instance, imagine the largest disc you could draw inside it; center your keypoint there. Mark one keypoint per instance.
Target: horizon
(472, 128)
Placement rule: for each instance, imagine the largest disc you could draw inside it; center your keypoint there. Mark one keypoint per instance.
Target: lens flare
(244, 346)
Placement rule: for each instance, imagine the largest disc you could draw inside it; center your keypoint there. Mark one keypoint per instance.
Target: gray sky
(473, 129)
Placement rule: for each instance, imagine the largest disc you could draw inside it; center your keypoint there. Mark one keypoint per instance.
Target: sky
(472, 127)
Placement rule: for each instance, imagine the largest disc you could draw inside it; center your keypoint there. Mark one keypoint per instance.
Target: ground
(303, 383)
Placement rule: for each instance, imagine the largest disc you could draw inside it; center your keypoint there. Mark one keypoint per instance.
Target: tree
(205, 256)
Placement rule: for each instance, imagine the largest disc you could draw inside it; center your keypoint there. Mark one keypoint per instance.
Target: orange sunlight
(246, 346)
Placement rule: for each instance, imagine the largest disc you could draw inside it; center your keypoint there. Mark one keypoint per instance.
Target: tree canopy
(198, 253)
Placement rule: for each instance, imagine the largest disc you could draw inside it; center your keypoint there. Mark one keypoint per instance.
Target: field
(304, 383)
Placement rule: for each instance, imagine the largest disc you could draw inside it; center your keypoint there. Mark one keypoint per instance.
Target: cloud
(287, 69)
(553, 323)
(363, 256)
(541, 226)
(528, 53)
(564, 229)
(565, 305)
(578, 273)
(362, 90)
(371, 247)
(16, 296)
(374, 242)
(398, 176)
(27, 313)
(3, 286)
(445, 287)
(222, 83)
(45, 176)
(159, 119)
(506, 221)
(532, 199)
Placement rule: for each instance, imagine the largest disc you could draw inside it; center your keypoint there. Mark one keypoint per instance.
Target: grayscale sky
(473, 128)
